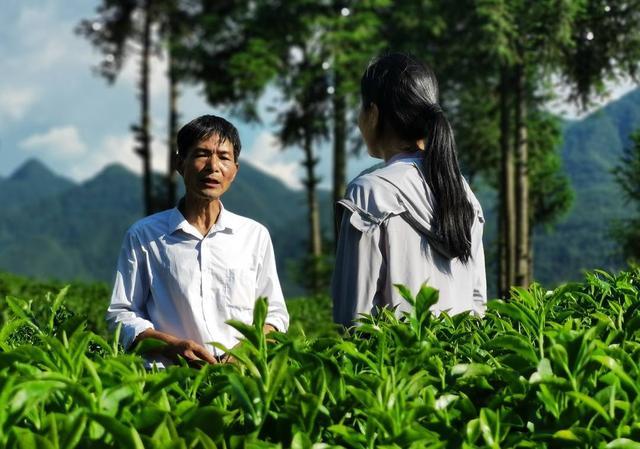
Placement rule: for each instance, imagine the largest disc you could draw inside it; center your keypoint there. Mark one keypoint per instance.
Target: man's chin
(206, 195)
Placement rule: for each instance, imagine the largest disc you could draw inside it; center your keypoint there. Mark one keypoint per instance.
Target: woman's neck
(392, 147)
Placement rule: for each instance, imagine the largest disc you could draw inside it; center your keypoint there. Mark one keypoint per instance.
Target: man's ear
(237, 169)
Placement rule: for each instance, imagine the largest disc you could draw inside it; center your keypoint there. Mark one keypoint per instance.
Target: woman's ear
(373, 116)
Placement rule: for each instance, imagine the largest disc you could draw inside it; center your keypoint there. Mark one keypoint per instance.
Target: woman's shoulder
(377, 192)
(365, 193)
(378, 177)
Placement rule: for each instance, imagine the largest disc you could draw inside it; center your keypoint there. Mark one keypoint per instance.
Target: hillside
(31, 182)
(591, 150)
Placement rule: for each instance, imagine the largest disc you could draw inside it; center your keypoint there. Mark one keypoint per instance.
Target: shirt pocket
(240, 292)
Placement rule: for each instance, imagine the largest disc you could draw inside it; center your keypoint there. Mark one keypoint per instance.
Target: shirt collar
(226, 221)
(406, 156)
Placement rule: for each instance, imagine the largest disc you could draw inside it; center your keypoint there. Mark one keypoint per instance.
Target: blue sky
(53, 107)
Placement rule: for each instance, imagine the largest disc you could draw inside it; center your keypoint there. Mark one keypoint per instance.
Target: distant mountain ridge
(30, 182)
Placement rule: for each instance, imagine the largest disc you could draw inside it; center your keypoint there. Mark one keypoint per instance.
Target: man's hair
(204, 127)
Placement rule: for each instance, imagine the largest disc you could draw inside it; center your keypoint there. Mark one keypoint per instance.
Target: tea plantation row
(544, 369)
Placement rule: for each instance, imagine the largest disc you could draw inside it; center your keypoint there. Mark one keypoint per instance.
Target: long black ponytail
(406, 94)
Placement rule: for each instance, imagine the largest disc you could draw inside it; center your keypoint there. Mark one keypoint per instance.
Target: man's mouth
(211, 182)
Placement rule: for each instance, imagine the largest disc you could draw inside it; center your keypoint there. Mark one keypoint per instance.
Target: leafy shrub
(544, 369)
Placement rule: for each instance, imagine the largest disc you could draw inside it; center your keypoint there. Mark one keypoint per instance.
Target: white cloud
(158, 66)
(60, 142)
(45, 41)
(266, 155)
(15, 102)
(569, 110)
(116, 149)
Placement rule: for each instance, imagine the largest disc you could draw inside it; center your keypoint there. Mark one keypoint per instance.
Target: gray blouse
(386, 238)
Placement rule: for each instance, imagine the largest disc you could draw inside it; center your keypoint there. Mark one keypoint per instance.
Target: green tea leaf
(623, 443)
(125, 436)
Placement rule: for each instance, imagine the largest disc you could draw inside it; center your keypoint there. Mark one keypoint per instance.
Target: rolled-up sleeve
(130, 292)
(359, 269)
(268, 285)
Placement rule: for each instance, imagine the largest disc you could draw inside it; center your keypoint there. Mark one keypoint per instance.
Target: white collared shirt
(175, 280)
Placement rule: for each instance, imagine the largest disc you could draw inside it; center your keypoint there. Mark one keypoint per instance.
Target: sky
(55, 108)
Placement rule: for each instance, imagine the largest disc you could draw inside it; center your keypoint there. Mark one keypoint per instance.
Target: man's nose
(214, 162)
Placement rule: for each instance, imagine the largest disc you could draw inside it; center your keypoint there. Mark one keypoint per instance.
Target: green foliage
(87, 302)
(314, 272)
(543, 369)
(627, 174)
(628, 171)
(311, 317)
(551, 194)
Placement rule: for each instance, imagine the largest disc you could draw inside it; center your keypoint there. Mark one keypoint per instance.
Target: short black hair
(202, 128)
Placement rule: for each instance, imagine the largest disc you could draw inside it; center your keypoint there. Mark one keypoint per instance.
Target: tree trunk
(522, 180)
(503, 268)
(315, 236)
(173, 127)
(339, 143)
(530, 254)
(143, 137)
(507, 218)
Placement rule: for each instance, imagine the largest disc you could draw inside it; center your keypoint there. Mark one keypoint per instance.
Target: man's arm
(130, 292)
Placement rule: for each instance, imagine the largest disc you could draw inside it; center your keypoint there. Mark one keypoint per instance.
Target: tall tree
(172, 17)
(351, 37)
(304, 124)
(121, 27)
(551, 195)
(124, 28)
(525, 40)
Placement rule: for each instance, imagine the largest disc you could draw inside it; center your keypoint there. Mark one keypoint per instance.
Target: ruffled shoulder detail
(362, 220)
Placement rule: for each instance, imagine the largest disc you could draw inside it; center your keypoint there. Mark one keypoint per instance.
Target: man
(183, 272)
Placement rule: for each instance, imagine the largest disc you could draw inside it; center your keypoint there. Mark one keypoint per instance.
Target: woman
(415, 220)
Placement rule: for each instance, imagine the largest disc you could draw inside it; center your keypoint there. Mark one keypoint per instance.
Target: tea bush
(544, 369)
(309, 316)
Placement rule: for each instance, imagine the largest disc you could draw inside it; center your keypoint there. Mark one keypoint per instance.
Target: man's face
(209, 168)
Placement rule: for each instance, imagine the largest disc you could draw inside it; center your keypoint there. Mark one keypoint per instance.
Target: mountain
(74, 234)
(77, 233)
(31, 182)
(591, 150)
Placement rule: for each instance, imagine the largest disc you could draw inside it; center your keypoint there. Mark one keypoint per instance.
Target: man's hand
(191, 351)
